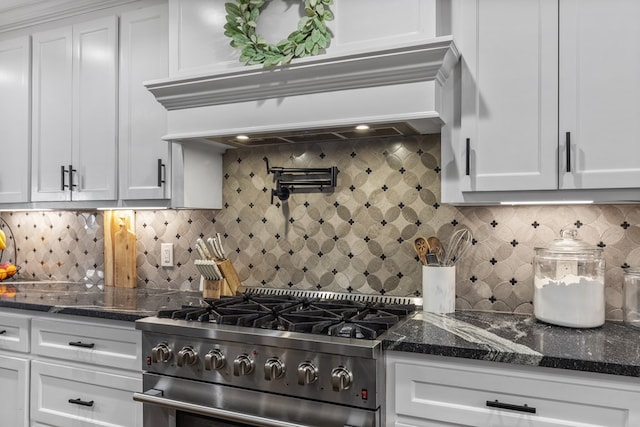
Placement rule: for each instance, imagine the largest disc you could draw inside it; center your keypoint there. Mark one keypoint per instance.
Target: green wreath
(311, 36)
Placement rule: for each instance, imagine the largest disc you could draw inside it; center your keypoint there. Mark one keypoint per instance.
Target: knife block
(230, 274)
(212, 289)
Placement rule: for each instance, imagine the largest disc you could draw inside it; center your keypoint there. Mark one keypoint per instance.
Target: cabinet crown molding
(17, 14)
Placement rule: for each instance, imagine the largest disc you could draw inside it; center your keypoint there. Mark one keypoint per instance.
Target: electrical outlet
(166, 254)
(566, 268)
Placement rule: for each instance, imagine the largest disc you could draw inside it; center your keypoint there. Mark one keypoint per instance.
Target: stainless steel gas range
(269, 358)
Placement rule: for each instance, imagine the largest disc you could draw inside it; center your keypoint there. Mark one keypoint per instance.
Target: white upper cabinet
(74, 112)
(509, 95)
(599, 94)
(144, 158)
(534, 75)
(51, 113)
(14, 119)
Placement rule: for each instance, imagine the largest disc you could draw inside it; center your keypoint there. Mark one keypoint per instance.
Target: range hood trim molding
(428, 61)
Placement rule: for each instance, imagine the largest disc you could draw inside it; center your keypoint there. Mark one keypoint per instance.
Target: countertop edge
(96, 312)
(613, 349)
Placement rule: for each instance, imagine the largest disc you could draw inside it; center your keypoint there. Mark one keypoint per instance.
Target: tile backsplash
(357, 239)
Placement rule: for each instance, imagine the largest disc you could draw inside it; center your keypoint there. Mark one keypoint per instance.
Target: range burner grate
(315, 315)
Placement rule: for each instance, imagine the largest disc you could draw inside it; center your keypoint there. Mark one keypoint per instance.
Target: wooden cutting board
(119, 249)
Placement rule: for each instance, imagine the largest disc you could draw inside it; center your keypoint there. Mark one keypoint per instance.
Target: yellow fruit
(3, 240)
(11, 270)
(3, 274)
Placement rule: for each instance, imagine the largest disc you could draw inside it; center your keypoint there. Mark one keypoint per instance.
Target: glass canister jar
(569, 282)
(631, 297)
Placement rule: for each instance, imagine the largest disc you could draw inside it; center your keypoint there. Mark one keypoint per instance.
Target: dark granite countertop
(519, 339)
(93, 301)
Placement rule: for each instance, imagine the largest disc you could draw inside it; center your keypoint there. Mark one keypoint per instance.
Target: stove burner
(341, 318)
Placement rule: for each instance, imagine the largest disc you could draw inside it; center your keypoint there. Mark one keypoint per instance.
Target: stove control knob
(187, 356)
(307, 373)
(273, 369)
(214, 360)
(242, 365)
(341, 379)
(161, 353)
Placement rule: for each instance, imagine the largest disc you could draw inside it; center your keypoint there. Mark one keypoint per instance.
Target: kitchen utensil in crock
(432, 260)
(459, 242)
(435, 248)
(421, 247)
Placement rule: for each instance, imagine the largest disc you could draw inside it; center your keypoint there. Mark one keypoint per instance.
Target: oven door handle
(154, 397)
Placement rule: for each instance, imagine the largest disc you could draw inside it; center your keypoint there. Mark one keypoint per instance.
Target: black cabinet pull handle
(567, 138)
(511, 407)
(468, 160)
(71, 184)
(62, 180)
(2, 332)
(81, 344)
(81, 402)
(161, 173)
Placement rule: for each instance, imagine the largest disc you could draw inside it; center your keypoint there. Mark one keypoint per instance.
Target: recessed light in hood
(380, 130)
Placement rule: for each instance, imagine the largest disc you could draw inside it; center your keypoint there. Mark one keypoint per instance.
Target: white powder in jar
(573, 301)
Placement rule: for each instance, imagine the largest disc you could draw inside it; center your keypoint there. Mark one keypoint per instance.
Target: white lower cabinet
(14, 369)
(84, 373)
(103, 345)
(14, 391)
(68, 396)
(68, 371)
(430, 391)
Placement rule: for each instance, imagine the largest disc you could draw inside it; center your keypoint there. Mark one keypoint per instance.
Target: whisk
(459, 243)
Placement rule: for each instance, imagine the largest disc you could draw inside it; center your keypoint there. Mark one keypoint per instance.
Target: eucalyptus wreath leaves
(311, 36)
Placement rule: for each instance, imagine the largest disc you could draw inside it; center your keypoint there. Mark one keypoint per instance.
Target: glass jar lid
(569, 243)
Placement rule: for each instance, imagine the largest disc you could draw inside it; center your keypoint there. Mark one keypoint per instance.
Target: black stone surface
(101, 302)
(511, 338)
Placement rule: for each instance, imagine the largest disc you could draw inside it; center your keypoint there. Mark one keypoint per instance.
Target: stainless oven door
(175, 402)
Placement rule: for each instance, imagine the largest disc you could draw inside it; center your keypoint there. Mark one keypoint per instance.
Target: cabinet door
(51, 114)
(508, 137)
(437, 391)
(69, 396)
(14, 391)
(599, 93)
(104, 345)
(95, 46)
(143, 155)
(14, 120)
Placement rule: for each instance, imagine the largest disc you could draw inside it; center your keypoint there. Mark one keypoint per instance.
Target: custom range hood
(394, 91)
